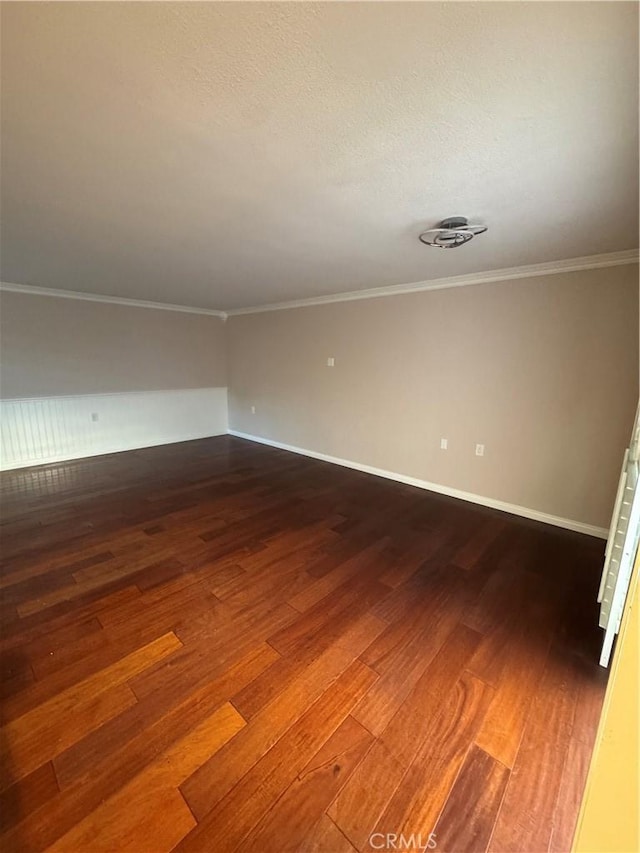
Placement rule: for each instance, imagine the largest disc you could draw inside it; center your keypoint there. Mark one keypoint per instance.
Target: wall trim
(590, 262)
(111, 300)
(514, 509)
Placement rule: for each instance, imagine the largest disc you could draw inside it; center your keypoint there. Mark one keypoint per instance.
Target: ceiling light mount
(452, 232)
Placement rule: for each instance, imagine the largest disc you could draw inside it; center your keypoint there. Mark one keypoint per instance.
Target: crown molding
(590, 262)
(110, 300)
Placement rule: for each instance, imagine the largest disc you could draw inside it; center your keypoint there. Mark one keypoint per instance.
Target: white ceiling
(224, 155)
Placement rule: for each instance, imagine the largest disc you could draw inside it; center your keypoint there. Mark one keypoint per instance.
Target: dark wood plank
(474, 549)
(359, 805)
(411, 725)
(590, 680)
(325, 837)
(292, 818)
(214, 780)
(283, 672)
(101, 764)
(526, 817)
(521, 670)
(149, 812)
(423, 791)
(151, 723)
(318, 618)
(466, 822)
(44, 732)
(406, 666)
(263, 782)
(27, 795)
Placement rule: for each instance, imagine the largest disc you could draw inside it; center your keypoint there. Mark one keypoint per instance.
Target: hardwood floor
(216, 646)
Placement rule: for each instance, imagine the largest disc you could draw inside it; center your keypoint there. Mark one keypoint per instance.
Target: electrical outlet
(331, 362)
(94, 417)
(253, 410)
(479, 449)
(444, 443)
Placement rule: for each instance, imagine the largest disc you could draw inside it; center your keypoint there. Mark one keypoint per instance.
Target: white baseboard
(514, 509)
(54, 429)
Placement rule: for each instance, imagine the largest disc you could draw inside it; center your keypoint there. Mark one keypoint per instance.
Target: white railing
(622, 545)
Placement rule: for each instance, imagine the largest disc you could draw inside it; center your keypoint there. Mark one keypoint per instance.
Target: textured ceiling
(231, 154)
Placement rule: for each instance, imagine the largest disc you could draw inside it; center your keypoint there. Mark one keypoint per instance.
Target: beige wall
(53, 347)
(542, 371)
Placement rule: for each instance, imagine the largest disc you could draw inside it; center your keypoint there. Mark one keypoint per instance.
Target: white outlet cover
(444, 443)
(331, 362)
(253, 410)
(479, 449)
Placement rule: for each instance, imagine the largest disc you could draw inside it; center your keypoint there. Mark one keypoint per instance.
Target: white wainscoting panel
(51, 429)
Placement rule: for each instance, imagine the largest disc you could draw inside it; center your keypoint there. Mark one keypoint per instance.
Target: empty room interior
(320, 445)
